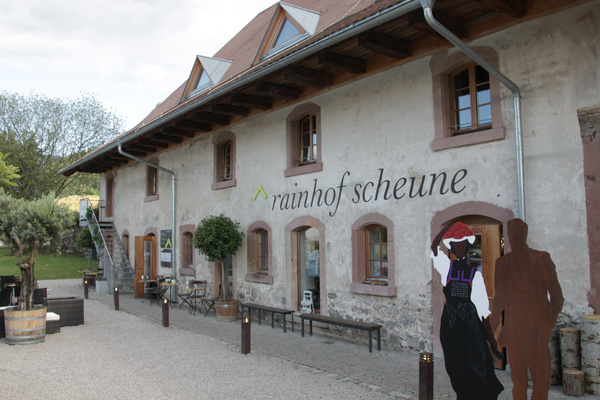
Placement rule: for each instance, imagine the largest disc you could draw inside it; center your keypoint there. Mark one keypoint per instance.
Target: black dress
(464, 339)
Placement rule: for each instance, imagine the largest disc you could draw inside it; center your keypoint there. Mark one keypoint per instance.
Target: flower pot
(227, 310)
(25, 327)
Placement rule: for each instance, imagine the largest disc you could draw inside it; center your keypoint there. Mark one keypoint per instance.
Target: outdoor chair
(210, 303)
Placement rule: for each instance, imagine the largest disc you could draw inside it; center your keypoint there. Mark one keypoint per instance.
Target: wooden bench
(365, 326)
(272, 310)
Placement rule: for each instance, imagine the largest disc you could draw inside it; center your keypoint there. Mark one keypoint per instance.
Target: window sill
(259, 278)
(224, 184)
(303, 169)
(373, 290)
(469, 139)
(151, 198)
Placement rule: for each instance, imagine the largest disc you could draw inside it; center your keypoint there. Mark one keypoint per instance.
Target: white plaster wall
(386, 121)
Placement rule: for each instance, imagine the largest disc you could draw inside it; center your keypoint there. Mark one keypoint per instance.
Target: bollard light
(165, 313)
(85, 289)
(116, 296)
(426, 376)
(245, 335)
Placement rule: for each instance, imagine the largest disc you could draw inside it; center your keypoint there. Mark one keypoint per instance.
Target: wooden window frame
(254, 274)
(187, 232)
(294, 166)
(267, 47)
(442, 66)
(369, 257)
(262, 251)
(360, 283)
(152, 181)
(473, 106)
(222, 141)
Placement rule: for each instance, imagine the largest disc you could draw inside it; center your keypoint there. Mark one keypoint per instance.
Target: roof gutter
(427, 9)
(173, 234)
(356, 28)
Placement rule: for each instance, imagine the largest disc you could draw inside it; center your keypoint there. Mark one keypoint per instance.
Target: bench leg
(378, 339)
(311, 327)
(302, 326)
(272, 320)
(370, 341)
(259, 318)
(284, 321)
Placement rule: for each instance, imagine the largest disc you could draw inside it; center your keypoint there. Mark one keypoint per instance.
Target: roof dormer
(206, 73)
(289, 25)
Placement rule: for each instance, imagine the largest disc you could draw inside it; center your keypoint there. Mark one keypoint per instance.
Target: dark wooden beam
(228, 109)
(138, 146)
(278, 91)
(249, 100)
(384, 44)
(513, 8)
(171, 130)
(151, 142)
(163, 137)
(137, 153)
(416, 20)
(192, 125)
(212, 118)
(310, 77)
(345, 63)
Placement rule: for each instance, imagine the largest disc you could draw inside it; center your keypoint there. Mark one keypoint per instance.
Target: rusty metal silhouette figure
(529, 297)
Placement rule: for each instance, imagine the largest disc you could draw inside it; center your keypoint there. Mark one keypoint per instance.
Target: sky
(130, 54)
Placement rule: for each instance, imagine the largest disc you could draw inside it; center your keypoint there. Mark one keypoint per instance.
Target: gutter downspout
(174, 180)
(439, 28)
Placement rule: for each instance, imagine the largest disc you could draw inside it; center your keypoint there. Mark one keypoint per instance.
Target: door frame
(292, 230)
(139, 263)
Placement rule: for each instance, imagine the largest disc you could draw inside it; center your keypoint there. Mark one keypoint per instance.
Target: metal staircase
(112, 256)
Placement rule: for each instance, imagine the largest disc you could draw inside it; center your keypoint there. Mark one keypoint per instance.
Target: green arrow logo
(259, 190)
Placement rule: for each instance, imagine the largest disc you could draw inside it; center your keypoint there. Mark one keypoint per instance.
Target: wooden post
(590, 352)
(570, 348)
(165, 313)
(116, 298)
(426, 376)
(245, 335)
(573, 383)
(85, 289)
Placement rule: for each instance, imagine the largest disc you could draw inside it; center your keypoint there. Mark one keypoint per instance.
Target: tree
(30, 227)
(218, 237)
(8, 173)
(44, 135)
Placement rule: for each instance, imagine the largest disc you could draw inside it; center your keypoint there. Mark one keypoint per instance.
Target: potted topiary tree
(218, 237)
(30, 228)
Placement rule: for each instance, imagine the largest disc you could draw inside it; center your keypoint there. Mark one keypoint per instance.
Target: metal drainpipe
(174, 179)
(427, 9)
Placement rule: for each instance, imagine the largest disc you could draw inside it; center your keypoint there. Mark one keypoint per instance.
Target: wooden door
(145, 262)
(490, 242)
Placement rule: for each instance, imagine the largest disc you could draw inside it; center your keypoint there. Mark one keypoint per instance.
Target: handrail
(97, 226)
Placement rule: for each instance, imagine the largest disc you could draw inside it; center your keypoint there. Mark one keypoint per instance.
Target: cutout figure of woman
(463, 333)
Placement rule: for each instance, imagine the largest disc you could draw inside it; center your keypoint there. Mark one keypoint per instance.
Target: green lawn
(64, 266)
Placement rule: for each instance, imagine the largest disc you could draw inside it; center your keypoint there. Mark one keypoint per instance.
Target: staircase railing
(102, 247)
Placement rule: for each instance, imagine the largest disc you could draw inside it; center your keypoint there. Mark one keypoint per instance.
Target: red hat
(457, 233)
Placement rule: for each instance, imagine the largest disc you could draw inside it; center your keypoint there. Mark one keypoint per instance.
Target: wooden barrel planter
(227, 310)
(25, 327)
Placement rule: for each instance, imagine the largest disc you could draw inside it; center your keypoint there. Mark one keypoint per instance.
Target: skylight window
(288, 31)
(206, 73)
(289, 25)
(203, 81)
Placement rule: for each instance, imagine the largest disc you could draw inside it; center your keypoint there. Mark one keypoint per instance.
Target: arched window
(224, 161)
(373, 260)
(304, 140)
(152, 181)
(259, 253)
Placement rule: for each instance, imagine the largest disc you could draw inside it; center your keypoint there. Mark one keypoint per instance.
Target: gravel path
(118, 355)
